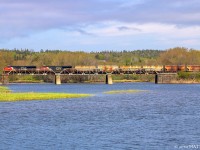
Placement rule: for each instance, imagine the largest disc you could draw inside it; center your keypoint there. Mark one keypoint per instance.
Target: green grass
(123, 91)
(189, 75)
(7, 96)
(4, 89)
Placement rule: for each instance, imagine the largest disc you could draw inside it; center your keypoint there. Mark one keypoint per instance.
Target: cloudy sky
(95, 25)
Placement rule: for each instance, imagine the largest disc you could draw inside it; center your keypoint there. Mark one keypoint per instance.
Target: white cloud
(93, 22)
(112, 29)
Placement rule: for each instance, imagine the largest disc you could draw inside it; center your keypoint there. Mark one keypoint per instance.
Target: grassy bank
(6, 95)
(134, 78)
(188, 77)
(25, 79)
(4, 89)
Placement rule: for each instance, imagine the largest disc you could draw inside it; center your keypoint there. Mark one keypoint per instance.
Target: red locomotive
(8, 68)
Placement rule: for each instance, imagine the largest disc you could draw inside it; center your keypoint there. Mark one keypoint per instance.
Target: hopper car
(193, 68)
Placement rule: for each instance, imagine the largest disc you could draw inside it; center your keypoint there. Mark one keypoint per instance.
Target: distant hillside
(137, 57)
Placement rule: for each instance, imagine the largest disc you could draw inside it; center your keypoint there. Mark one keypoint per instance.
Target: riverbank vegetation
(21, 57)
(188, 77)
(4, 89)
(7, 96)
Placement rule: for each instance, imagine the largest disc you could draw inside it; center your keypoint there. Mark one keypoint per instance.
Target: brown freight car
(85, 69)
(193, 68)
(170, 68)
(108, 68)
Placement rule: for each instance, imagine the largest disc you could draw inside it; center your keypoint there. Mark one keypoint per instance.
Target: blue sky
(96, 25)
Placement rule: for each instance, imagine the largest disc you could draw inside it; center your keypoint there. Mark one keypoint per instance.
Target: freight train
(102, 69)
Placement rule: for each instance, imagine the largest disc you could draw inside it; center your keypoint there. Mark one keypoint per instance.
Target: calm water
(165, 117)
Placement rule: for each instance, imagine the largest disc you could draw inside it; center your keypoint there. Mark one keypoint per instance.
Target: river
(165, 116)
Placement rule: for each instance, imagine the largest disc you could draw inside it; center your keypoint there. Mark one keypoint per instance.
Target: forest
(173, 56)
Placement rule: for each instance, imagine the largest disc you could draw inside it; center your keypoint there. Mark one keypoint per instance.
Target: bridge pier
(5, 79)
(109, 79)
(161, 78)
(57, 80)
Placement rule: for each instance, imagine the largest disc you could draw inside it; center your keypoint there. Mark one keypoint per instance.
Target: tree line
(173, 56)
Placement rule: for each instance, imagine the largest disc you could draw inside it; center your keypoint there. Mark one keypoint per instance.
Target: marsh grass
(4, 89)
(6, 95)
(123, 91)
(37, 96)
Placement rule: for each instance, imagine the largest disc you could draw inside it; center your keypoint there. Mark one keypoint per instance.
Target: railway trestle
(163, 74)
(57, 76)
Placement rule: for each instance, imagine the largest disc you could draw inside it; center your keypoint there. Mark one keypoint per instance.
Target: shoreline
(182, 81)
